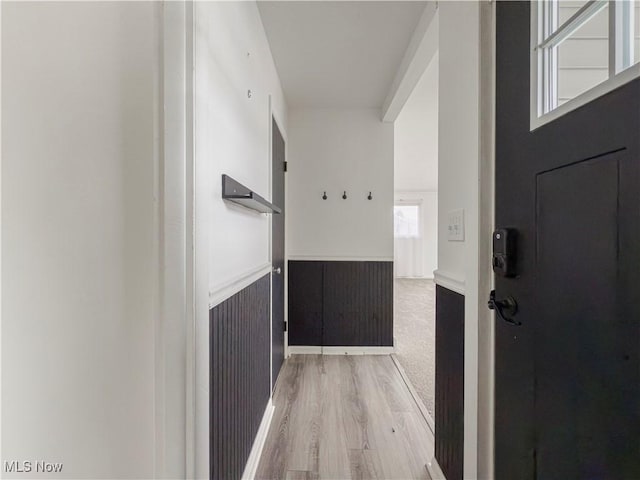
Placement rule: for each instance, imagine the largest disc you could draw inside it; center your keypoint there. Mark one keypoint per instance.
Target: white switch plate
(455, 227)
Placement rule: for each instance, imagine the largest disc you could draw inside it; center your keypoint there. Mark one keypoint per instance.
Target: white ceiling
(338, 54)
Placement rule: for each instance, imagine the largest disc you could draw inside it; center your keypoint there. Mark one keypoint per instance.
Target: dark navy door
(277, 251)
(567, 380)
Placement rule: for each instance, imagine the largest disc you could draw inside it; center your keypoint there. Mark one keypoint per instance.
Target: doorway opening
(416, 238)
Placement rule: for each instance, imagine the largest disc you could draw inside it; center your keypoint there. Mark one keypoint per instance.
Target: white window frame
(543, 108)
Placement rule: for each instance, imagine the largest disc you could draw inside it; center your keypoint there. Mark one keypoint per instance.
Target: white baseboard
(357, 350)
(423, 409)
(315, 350)
(287, 352)
(398, 277)
(303, 350)
(251, 467)
(434, 470)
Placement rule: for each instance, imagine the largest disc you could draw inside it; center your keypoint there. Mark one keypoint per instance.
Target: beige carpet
(414, 325)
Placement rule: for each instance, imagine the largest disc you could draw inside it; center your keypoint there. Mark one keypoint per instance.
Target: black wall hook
(324, 196)
(344, 195)
(370, 197)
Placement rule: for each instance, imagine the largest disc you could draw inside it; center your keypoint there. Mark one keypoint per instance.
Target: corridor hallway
(344, 417)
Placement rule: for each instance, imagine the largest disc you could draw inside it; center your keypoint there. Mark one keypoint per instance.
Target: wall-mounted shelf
(234, 191)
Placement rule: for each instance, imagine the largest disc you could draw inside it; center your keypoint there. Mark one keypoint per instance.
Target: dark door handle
(505, 309)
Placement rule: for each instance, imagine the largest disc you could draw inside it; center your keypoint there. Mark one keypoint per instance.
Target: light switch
(455, 228)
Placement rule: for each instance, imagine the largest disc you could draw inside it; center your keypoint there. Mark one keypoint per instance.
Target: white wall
(416, 136)
(458, 180)
(79, 235)
(416, 163)
(334, 150)
(458, 134)
(232, 136)
(233, 131)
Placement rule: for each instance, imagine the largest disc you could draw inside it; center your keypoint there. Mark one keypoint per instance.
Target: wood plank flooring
(344, 417)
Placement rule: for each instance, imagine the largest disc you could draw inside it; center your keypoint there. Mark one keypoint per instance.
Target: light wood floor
(344, 417)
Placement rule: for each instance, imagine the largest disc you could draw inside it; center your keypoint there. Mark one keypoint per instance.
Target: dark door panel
(277, 251)
(583, 351)
(567, 385)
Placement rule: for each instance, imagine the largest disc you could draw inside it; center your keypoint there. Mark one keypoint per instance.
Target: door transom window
(580, 50)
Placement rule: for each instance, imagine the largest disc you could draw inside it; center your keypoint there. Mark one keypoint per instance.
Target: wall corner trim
(251, 467)
(304, 350)
(449, 281)
(220, 292)
(434, 470)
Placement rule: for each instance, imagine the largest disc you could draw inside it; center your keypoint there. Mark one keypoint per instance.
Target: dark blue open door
(277, 252)
(567, 392)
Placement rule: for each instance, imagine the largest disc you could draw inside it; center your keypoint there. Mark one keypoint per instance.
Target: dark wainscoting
(304, 280)
(449, 408)
(239, 377)
(344, 303)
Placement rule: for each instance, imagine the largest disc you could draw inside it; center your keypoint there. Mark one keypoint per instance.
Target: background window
(406, 221)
